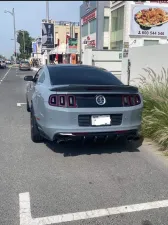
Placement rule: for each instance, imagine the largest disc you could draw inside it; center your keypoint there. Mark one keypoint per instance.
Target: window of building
(151, 42)
(117, 25)
(105, 48)
(93, 26)
(106, 24)
(85, 30)
(76, 35)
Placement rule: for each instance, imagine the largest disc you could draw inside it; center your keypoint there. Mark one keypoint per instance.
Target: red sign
(89, 17)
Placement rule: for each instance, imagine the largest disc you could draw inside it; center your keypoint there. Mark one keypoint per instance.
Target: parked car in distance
(8, 62)
(78, 101)
(24, 65)
(2, 63)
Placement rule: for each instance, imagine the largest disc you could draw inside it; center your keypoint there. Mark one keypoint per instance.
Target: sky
(28, 16)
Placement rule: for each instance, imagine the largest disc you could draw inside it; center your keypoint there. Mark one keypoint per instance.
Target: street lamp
(13, 14)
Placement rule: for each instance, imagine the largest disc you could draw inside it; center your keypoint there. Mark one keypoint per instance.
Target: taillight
(62, 101)
(131, 100)
(126, 100)
(53, 100)
(71, 101)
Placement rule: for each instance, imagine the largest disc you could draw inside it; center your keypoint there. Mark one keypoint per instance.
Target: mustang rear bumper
(128, 134)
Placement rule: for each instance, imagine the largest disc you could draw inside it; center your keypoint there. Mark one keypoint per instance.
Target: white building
(94, 24)
(124, 28)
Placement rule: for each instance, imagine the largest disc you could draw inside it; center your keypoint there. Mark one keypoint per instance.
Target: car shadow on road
(77, 148)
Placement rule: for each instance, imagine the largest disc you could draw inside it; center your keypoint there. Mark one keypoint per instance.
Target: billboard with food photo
(149, 20)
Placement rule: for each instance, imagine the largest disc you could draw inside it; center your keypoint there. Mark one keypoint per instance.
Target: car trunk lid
(89, 96)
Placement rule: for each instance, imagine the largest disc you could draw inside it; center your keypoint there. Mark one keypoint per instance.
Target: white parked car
(8, 62)
(2, 63)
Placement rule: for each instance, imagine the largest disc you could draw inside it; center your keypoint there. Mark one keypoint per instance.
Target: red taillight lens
(71, 101)
(131, 100)
(126, 100)
(137, 100)
(53, 100)
(62, 101)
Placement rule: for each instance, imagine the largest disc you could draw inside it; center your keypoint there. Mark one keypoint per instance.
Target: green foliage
(154, 89)
(23, 38)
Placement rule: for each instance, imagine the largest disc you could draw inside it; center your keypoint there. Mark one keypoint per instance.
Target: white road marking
(5, 76)
(20, 104)
(26, 218)
(25, 210)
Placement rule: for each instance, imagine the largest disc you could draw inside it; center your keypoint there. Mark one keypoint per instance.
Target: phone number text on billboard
(151, 33)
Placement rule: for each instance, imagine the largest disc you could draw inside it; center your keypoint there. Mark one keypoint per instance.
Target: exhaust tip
(63, 141)
(60, 141)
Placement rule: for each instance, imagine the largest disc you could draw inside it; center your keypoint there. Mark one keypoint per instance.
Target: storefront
(63, 54)
(94, 24)
(127, 29)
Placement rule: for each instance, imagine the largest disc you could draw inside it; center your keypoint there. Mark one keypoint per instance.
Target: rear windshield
(62, 75)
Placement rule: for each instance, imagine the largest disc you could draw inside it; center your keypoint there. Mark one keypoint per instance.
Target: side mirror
(28, 78)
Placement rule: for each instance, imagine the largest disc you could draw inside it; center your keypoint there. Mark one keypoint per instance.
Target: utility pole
(47, 11)
(14, 27)
(47, 17)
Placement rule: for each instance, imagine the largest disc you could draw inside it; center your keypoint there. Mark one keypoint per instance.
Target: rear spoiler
(91, 88)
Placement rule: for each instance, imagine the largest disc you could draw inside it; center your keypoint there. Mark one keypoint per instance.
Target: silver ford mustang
(79, 101)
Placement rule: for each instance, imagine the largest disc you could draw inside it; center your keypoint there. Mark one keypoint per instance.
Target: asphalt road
(73, 178)
(2, 73)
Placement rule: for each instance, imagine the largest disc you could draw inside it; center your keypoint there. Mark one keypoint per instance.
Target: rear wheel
(35, 134)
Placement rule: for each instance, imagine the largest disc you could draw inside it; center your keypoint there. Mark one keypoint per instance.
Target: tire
(35, 134)
(27, 106)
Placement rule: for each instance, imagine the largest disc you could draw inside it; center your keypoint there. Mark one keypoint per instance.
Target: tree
(25, 41)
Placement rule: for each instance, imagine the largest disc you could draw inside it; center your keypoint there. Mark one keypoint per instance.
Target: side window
(41, 77)
(37, 75)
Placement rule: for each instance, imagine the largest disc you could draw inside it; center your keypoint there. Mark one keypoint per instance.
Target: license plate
(101, 120)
